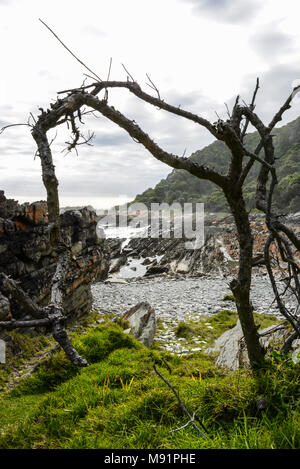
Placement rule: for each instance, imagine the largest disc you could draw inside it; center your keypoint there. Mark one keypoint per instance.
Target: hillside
(180, 186)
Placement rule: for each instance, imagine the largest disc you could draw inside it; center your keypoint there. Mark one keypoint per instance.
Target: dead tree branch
(251, 107)
(192, 418)
(75, 57)
(50, 316)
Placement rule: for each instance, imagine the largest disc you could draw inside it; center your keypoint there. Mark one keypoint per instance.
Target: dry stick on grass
(191, 417)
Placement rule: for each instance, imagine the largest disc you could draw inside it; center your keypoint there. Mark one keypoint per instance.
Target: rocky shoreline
(182, 284)
(176, 300)
(155, 253)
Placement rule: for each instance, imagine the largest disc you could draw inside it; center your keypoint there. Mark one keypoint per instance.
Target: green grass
(22, 349)
(209, 328)
(119, 402)
(228, 298)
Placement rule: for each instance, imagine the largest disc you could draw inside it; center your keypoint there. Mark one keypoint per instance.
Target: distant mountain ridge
(180, 186)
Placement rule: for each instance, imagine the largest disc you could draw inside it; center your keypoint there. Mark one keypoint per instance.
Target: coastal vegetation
(181, 186)
(119, 402)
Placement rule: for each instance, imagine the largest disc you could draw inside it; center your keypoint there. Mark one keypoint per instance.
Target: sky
(199, 53)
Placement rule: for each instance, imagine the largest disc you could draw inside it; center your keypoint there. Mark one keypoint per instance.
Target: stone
(117, 263)
(156, 270)
(4, 308)
(147, 261)
(273, 335)
(232, 352)
(183, 267)
(76, 249)
(28, 257)
(296, 343)
(142, 322)
(2, 351)
(115, 280)
(261, 404)
(2, 248)
(228, 347)
(296, 356)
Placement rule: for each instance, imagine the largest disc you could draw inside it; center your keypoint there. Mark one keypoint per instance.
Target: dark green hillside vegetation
(181, 186)
(118, 401)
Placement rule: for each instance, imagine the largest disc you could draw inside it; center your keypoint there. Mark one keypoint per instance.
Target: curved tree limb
(140, 136)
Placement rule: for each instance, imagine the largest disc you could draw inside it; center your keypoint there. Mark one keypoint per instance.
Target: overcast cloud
(200, 54)
(231, 11)
(272, 44)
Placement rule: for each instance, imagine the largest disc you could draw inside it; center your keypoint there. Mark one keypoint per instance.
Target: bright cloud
(199, 53)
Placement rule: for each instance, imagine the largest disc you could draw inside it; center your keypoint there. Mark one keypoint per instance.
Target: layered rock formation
(27, 256)
(219, 254)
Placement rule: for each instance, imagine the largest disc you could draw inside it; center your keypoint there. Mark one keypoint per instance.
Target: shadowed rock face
(27, 256)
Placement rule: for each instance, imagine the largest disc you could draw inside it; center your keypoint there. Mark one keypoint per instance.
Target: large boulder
(296, 351)
(174, 258)
(142, 322)
(228, 348)
(231, 350)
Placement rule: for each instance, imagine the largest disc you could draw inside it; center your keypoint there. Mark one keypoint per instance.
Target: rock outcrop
(27, 256)
(142, 322)
(218, 255)
(231, 349)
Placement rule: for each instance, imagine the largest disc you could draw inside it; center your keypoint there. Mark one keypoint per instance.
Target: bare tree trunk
(241, 286)
(53, 314)
(50, 181)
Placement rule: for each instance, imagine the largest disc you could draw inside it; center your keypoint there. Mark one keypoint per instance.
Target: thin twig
(109, 69)
(153, 86)
(252, 105)
(80, 61)
(130, 76)
(12, 125)
(227, 108)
